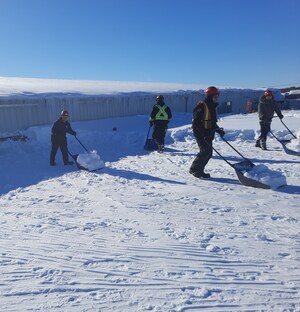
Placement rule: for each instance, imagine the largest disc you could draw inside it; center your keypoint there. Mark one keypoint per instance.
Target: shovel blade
(289, 151)
(244, 166)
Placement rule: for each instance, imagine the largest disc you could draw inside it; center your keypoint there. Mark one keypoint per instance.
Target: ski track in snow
(144, 235)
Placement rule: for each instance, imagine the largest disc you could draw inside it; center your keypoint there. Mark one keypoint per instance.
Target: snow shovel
(283, 143)
(242, 167)
(75, 157)
(150, 144)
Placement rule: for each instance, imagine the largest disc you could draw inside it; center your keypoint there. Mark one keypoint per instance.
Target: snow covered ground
(142, 234)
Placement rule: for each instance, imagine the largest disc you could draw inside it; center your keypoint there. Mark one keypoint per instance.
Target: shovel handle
(219, 154)
(148, 134)
(81, 144)
(237, 151)
(288, 129)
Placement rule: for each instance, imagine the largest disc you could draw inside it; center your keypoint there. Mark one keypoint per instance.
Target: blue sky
(239, 43)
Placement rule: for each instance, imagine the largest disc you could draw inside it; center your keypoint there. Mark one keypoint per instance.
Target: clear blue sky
(246, 43)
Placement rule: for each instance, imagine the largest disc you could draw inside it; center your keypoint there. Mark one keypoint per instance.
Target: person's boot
(263, 145)
(200, 174)
(69, 163)
(257, 143)
(160, 148)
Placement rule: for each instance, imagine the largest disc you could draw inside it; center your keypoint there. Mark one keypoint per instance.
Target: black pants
(265, 127)
(159, 132)
(59, 142)
(203, 156)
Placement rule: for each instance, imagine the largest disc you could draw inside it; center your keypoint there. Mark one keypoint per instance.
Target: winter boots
(69, 163)
(200, 175)
(261, 143)
(160, 148)
(264, 146)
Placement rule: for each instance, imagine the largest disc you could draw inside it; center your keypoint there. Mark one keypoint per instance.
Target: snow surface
(142, 234)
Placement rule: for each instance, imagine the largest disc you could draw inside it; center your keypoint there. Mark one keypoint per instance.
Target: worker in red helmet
(58, 138)
(266, 108)
(204, 126)
(159, 118)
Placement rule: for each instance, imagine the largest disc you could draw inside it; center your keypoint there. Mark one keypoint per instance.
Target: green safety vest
(162, 114)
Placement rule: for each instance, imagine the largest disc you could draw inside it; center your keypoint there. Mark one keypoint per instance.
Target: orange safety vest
(206, 119)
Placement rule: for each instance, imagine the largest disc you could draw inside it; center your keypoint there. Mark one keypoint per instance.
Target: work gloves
(221, 132)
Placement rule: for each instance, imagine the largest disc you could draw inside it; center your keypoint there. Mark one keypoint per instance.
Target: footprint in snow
(213, 248)
(263, 237)
(284, 255)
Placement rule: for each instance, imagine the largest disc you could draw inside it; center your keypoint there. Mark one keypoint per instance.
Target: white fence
(20, 113)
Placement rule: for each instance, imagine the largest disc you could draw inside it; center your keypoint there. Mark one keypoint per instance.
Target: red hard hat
(160, 97)
(268, 93)
(211, 91)
(64, 113)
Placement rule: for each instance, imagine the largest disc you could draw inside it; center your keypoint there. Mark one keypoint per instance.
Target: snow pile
(262, 174)
(90, 161)
(182, 134)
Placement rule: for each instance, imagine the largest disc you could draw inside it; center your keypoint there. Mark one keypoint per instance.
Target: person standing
(266, 108)
(159, 118)
(60, 129)
(204, 126)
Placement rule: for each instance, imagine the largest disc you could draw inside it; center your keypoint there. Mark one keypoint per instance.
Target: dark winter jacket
(61, 128)
(266, 109)
(203, 127)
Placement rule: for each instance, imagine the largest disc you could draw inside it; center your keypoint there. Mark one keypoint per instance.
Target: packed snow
(142, 234)
(261, 173)
(90, 161)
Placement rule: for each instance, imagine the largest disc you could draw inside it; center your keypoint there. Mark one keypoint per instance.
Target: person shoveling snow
(90, 161)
